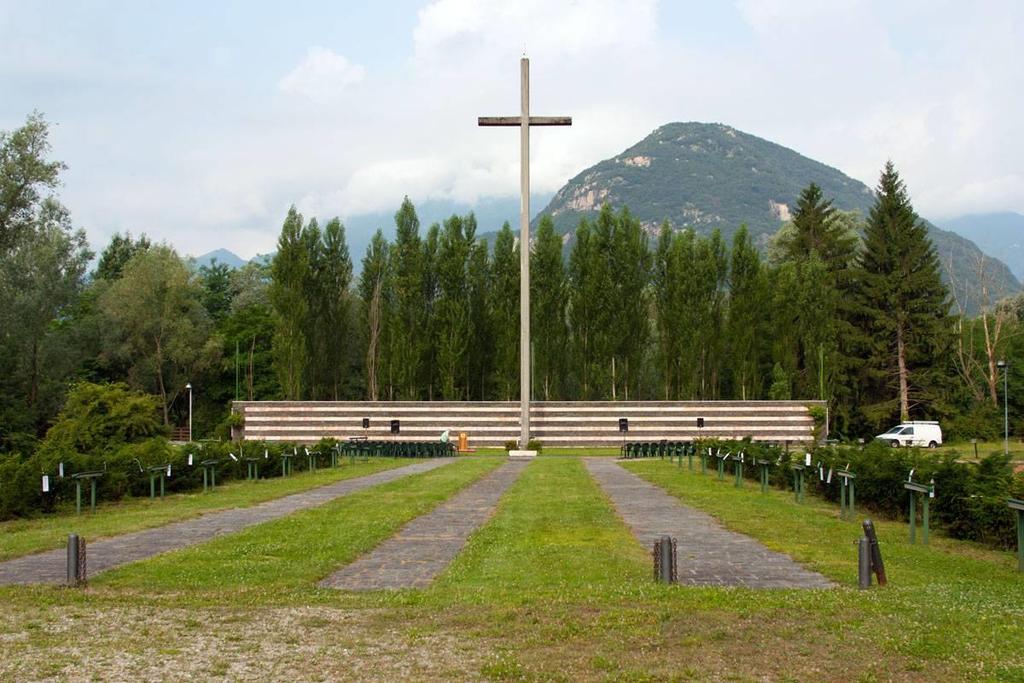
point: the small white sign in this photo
(190, 460)
(168, 471)
(829, 479)
(807, 460)
(266, 454)
(233, 457)
(60, 470)
(46, 483)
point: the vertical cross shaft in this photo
(524, 121)
(524, 253)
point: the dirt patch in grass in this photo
(259, 644)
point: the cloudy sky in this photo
(200, 122)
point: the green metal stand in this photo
(927, 492)
(252, 469)
(286, 464)
(1018, 506)
(764, 465)
(846, 494)
(209, 473)
(738, 470)
(311, 457)
(92, 477)
(798, 482)
(155, 472)
(721, 467)
(704, 462)
(689, 456)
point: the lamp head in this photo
(189, 386)
(1001, 364)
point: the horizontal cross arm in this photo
(517, 120)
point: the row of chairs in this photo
(656, 449)
(397, 449)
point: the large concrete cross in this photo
(524, 121)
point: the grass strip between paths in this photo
(25, 536)
(296, 551)
(952, 602)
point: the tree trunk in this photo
(901, 366)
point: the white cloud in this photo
(322, 76)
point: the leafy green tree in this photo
(290, 274)
(407, 319)
(116, 254)
(585, 292)
(334, 277)
(158, 326)
(25, 174)
(376, 297)
(504, 307)
(904, 304)
(431, 295)
(628, 319)
(452, 317)
(480, 362)
(547, 312)
(747, 324)
(41, 278)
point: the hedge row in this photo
(125, 470)
(970, 497)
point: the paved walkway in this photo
(51, 566)
(708, 554)
(424, 547)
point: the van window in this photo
(908, 431)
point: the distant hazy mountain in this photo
(221, 256)
(995, 233)
(703, 176)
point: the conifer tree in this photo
(334, 279)
(904, 304)
(480, 361)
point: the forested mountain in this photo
(995, 233)
(704, 176)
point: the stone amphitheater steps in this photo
(493, 423)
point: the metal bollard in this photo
(76, 560)
(665, 570)
(864, 563)
(877, 566)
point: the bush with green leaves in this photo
(970, 498)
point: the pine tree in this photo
(904, 304)
(547, 312)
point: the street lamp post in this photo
(1006, 412)
(189, 387)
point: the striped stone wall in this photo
(568, 423)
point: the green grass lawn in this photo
(24, 536)
(554, 587)
(966, 449)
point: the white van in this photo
(913, 434)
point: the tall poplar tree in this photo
(408, 320)
(585, 294)
(547, 312)
(746, 320)
(904, 304)
(290, 275)
(376, 298)
(334, 279)
(503, 303)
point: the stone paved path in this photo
(424, 547)
(51, 566)
(708, 554)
